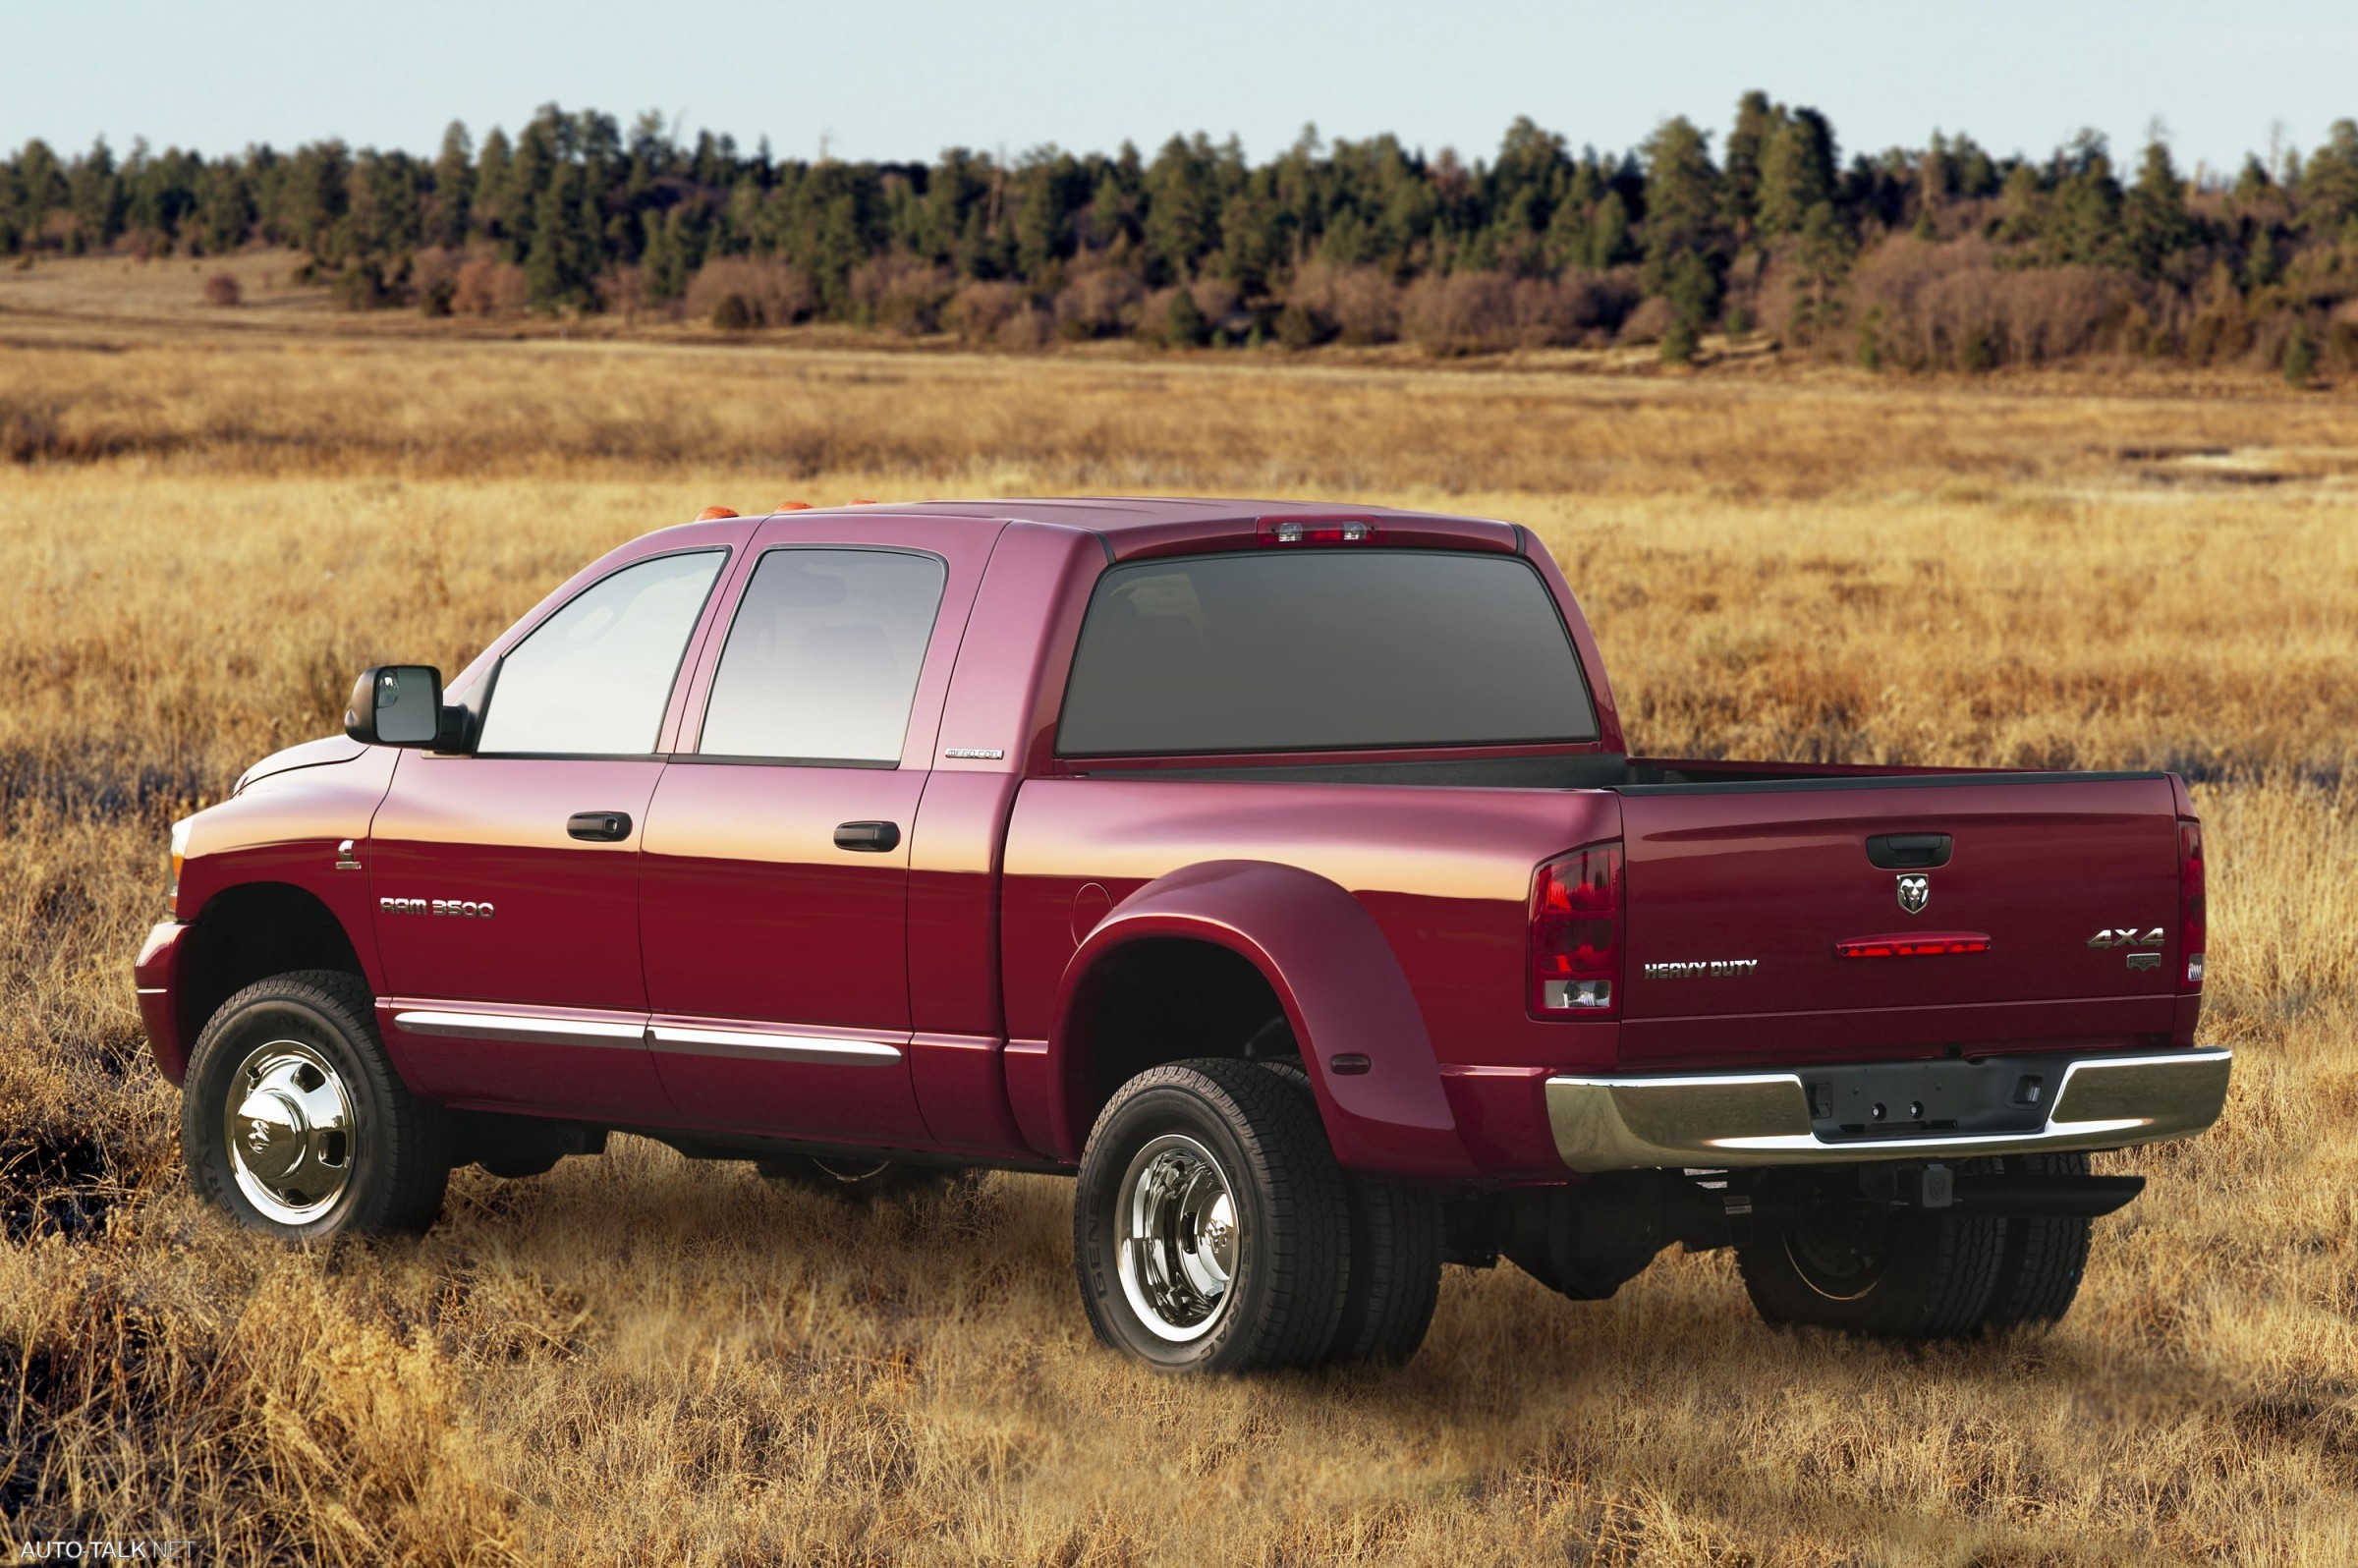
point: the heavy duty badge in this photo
(1915, 891)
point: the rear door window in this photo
(1322, 650)
(824, 657)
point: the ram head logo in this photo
(1915, 891)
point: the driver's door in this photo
(507, 882)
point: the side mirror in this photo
(396, 704)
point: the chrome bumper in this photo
(1719, 1120)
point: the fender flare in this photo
(1342, 990)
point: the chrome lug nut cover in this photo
(289, 1128)
(1180, 1237)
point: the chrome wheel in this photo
(1179, 1237)
(290, 1133)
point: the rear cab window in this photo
(1322, 651)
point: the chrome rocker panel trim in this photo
(1710, 1121)
(678, 1039)
(759, 1045)
(520, 1027)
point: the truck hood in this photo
(311, 753)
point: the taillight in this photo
(2193, 915)
(1318, 530)
(1576, 933)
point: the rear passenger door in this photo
(775, 880)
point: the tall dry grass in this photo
(639, 1359)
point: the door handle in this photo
(598, 827)
(873, 837)
(1908, 852)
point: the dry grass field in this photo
(204, 532)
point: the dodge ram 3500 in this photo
(1279, 870)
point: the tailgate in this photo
(1742, 897)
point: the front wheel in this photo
(1210, 1229)
(293, 1120)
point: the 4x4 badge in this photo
(1915, 891)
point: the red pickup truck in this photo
(1278, 869)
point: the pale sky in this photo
(907, 80)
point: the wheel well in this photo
(1165, 1000)
(251, 932)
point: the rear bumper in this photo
(154, 972)
(1722, 1120)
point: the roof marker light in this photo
(712, 514)
(794, 506)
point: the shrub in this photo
(978, 311)
(2300, 356)
(1297, 328)
(1953, 307)
(900, 293)
(362, 287)
(768, 293)
(484, 287)
(1183, 324)
(1358, 304)
(1463, 312)
(222, 289)
(1648, 322)
(1577, 307)
(1025, 327)
(1100, 303)
(435, 275)
(1221, 306)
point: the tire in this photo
(1211, 1231)
(334, 1139)
(2042, 1260)
(1395, 1270)
(1396, 1259)
(1903, 1275)
(860, 1180)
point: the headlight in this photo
(180, 853)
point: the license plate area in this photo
(1866, 1102)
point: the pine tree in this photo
(1757, 121)
(1797, 172)
(1682, 201)
(1184, 326)
(1693, 293)
(2155, 223)
(1821, 263)
(494, 203)
(2329, 185)
(563, 260)
(454, 187)
(1609, 241)
(2300, 356)
(1180, 211)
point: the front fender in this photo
(1342, 990)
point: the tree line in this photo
(1945, 256)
